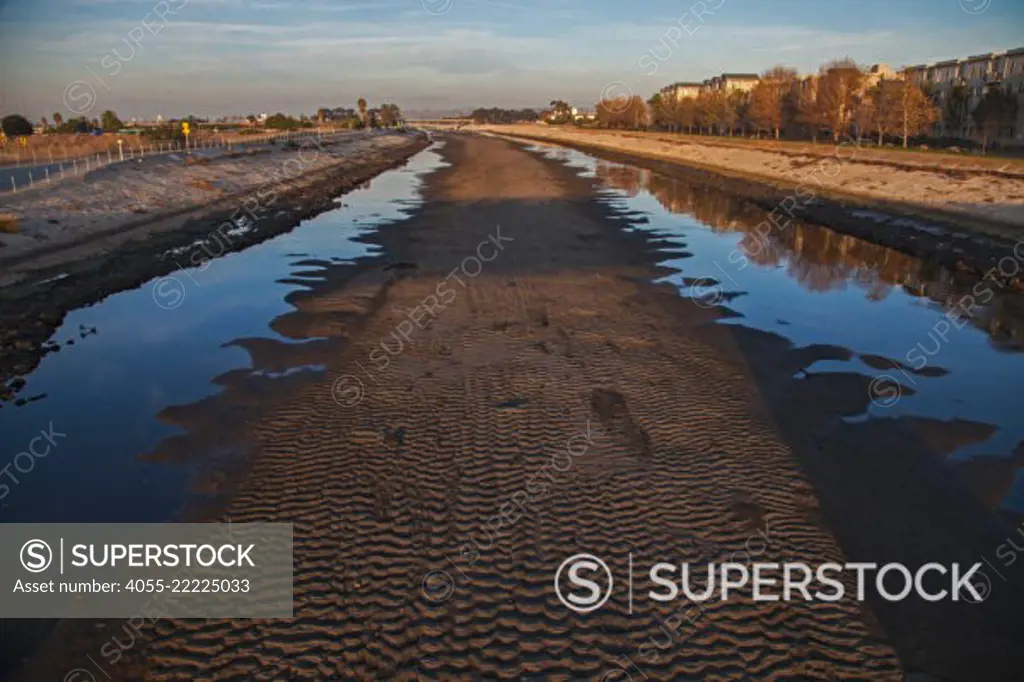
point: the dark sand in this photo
(703, 444)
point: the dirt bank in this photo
(521, 392)
(82, 215)
(983, 199)
(52, 283)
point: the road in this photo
(516, 390)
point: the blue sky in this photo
(172, 57)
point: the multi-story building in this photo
(680, 91)
(976, 75)
(727, 82)
(878, 72)
(743, 82)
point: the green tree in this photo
(361, 105)
(390, 115)
(663, 111)
(561, 112)
(281, 121)
(956, 113)
(995, 114)
(16, 125)
(110, 122)
(57, 119)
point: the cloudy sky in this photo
(213, 57)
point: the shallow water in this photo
(815, 286)
(161, 345)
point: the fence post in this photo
(14, 185)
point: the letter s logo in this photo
(594, 597)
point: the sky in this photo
(225, 57)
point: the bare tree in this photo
(663, 111)
(806, 110)
(767, 99)
(839, 87)
(623, 112)
(916, 110)
(886, 101)
(686, 113)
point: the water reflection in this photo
(118, 392)
(812, 286)
(821, 259)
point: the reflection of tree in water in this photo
(823, 260)
(628, 179)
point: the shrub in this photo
(16, 125)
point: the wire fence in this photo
(43, 166)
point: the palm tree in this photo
(361, 103)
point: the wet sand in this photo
(702, 444)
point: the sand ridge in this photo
(561, 402)
(549, 338)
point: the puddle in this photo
(139, 352)
(815, 286)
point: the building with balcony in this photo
(975, 75)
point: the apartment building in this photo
(877, 73)
(727, 82)
(731, 82)
(977, 73)
(680, 91)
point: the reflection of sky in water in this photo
(106, 390)
(982, 385)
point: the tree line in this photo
(498, 115)
(839, 100)
(386, 115)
